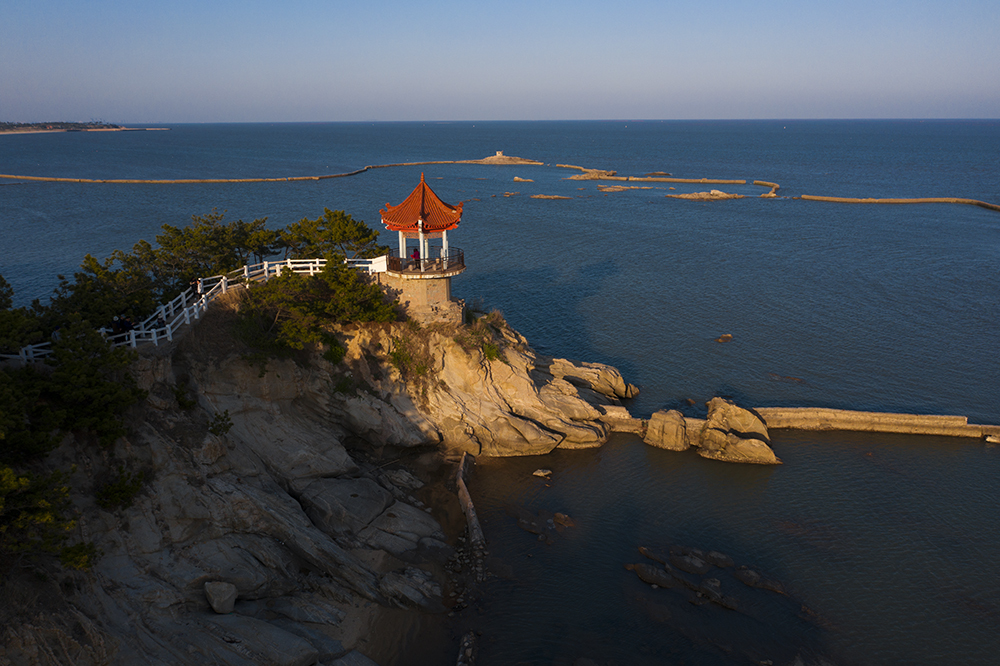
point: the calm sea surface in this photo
(889, 542)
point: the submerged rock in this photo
(654, 575)
(752, 578)
(691, 564)
(718, 559)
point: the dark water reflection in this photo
(883, 544)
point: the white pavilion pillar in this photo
(402, 250)
(444, 249)
(422, 243)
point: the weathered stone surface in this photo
(519, 403)
(400, 528)
(726, 416)
(337, 506)
(255, 565)
(604, 379)
(413, 587)
(667, 430)
(221, 596)
(262, 642)
(301, 607)
(327, 647)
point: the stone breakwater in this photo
(931, 200)
(735, 434)
(586, 173)
(498, 159)
(816, 418)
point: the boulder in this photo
(604, 379)
(221, 596)
(667, 430)
(734, 434)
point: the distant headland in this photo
(97, 126)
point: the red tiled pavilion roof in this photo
(422, 204)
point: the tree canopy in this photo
(87, 388)
(333, 235)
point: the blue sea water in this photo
(856, 306)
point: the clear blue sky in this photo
(139, 61)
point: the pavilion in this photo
(422, 277)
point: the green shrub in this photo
(184, 401)
(491, 351)
(34, 512)
(292, 310)
(400, 355)
(344, 385)
(78, 556)
(120, 492)
(221, 424)
(336, 351)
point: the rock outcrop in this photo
(667, 430)
(259, 542)
(734, 434)
(729, 433)
(485, 391)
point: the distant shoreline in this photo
(49, 128)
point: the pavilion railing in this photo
(192, 303)
(440, 261)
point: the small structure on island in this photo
(420, 274)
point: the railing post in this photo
(155, 342)
(131, 335)
(187, 316)
(265, 271)
(225, 283)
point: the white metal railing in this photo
(192, 303)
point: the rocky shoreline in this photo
(322, 521)
(330, 517)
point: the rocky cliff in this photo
(287, 503)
